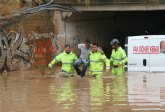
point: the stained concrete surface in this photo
(29, 91)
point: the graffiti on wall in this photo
(36, 50)
(13, 50)
(44, 48)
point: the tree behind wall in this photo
(9, 6)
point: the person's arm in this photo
(100, 50)
(75, 58)
(78, 50)
(55, 60)
(124, 58)
(111, 58)
(106, 61)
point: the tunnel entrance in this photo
(101, 26)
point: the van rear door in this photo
(138, 56)
(157, 53)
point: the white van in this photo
(146, 53)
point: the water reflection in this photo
(136, 92)
(96, 92)
(11, 93)
(63, 93)
(119, 91)
(145, 92)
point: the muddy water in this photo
(28, 91)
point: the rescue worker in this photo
(84, 55)
(67, 58)
(118, 58)
(97, 60)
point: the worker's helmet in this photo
(115, 42)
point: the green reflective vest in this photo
(67, 61)
(118, 58)
(97, 61)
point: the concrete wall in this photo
(47, 40)
(39, 23)
(96, 30)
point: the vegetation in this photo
(9, 6)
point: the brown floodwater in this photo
(29, 91)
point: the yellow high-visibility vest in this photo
(67, 61)
(97, 61)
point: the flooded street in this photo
(28, 91)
